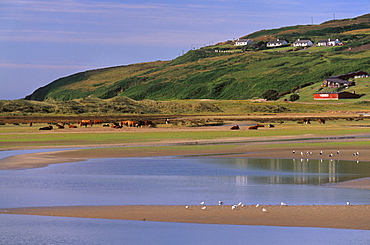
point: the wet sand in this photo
(325, 216)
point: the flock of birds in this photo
(235, 206)
(240, 204)
(322, 153)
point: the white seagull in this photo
(283, 204)
(204, 207)
(186, 206)
(257, 205)
(264, 210)
(219, 203)
(202, 203)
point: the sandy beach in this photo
(326, 216)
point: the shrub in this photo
(294, 97)
(270, 94)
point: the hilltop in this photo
(225, 71)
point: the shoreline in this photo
(323, 216)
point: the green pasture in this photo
(12, 136)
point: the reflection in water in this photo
(300, 171)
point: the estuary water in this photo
(176, 181)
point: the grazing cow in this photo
(71, 126)
(320, 120)
(260, 125)
(31, 124)
(236, 127)
(98, 122)
(46, 128)
(271, 125)
(60, 126)
(148, 123)
(85, 123)
(129, 123)
(253, 127)
(306, 121)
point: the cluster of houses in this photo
(340, 81)
(298, 43)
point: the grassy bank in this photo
(24, 136)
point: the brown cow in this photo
(236, 127)
(71, 126)
(253, 127)
(320, 120)
(306, 121)
(98, 122)
(131, 123)
(85, 123)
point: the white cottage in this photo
(243, 42)
(329, 42)
(276, 43)
(302, 43)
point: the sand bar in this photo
(325, 216)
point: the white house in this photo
(302, 43)
(329, 42)
(243, 42)
(276, 43)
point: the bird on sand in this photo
(264, 210)
(219, 203)
(283, 204)
(348, 203)
(186, 206)
(257, 205)
(204, 207)
(202, 203)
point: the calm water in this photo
(169, 181)
(21, 229)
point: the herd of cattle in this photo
(148, 123)
(85, 123)
(303, 121)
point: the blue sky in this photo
(42, 40)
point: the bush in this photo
(270, 94)
(294, 97)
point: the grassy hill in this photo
(236, 73)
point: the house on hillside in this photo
(277, 43)
(342, 80)
(243, 42)
(329, 42)
(335, 95)
(302, 43)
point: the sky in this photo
(43, 40)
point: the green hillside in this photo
(227, 72)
